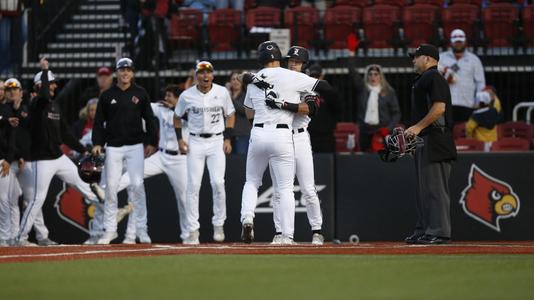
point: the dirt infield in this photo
(72, 252)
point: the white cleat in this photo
(24, 243)
(144, 238)
(192, 239)
(46, 242)
(285, 240)
(98, 191)
(128, 240)
(92, 240)
(4, 243)
(277, 239)
(107, 238)
(317, 239)
(218, 234)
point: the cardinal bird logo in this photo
(488, 199)
(74, 209)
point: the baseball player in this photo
(211, 118)
(297, 59)
(119, 125)
(7, 142)
(271, 101)
(48, 130)
(21, 167)
(168, 160)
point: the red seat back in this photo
(185, 25)
(399, 3)
(474, 2)
(468, 145)
(462, 16)
(339, 23)
(223, 29)
(341, 133)
(263, 17)
(301, 21)
(358, 3)
(510, 144)
(515, 130)
(528, 23)
(378, 23)
(419, 23)
(438, 3)
(498, 21)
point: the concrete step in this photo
(61, 47)
(91, 36)
(73, 65)
(96, 17)
(55, 56)
(91, 26)
(100, 7)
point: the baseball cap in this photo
(457, 35)
(103, 71)
(483, 97)
(12, 83)
(37, 77)
(204, 65)
(426, 49)
(124, 62)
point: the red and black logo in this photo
(488, 199)
(73, 208)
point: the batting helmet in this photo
(398, 145)
(300, 53)
(90, 168)
(268, 51)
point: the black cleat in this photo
(433, 240)
(413, 239)
(247, 233)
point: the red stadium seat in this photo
(528, 23)
(438, 3)
(341, 133)
(420, 23)
(468, 145)
(379, 25)
(474, 2)
(510, 144)
(339, 22)
(462, 16)
(185, 28)
(263, 17)
(399, 3)
(224, 29)
(358, 3)
(516, 130)
(499, 19)
(459, 131)
(301, 21)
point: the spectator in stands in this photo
(482, 125)
(242, 126)
(153, 32)
(205, 6)
(376, 104)
(104, 80)
(235, 4)
(322, 125)
(465, 74)
(84, 127)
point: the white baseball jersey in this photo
(167, 134)
(287, 85)
(205, 112)
(302, 121)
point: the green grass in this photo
(273, 277)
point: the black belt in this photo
(170, 152)
(277, 125)
(300, 130)
(205, 135)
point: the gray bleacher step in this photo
(91, 26)
(73, 64)
(100, 7)
(77, 56)
(91, 36)
(96, 17)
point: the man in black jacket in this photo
(48, 130)
(119, 126)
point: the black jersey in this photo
(7, 140)
(119, 118)
(48, 129)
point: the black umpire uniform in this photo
(433, 160)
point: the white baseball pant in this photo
(42, 173)
(306, 179)
(274, 146)
(132, 156)
(9, 196)
(24, 184)
(175, 167)
(202, 150)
